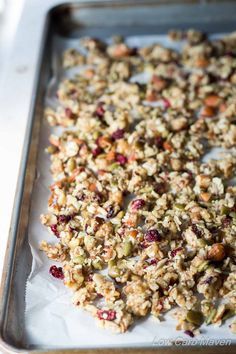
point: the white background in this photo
(10, 130)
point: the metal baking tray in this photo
(99, 19)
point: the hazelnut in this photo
(201, 62)
(207, 112)
(212, 101)
(216, 252)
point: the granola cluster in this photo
(143, 224)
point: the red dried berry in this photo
(152, 261)
(97, 151)
(56, 272)
(174, 252)
(189, 333)
(144, 245)
(100, 110)
(138, 204)
(54, 230)
(108, 315)
(158, 141)
(121, 159)
(68, 113)
(118, 134)
(166, 103)
(64, 218)
(153, 236)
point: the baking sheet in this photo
(51, 320)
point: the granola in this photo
(143, 223)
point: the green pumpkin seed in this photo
(211, 316)
(127, 248)
(194, 317)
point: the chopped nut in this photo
(216, 252)
(212, 101)
(179, 124)
(205, 196)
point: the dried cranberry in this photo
(166, 103)
(226, 221)
(63, 218)
(108, 315)
(110, 211)
(175, 251)
(56, 272)
(68, 113)
(158, 141)
(143, 245)
(98, 197)
(54, 230)
(118, 134)
(100, 110)
(189, 333)
(138, 204)
(196, 230)
(97, 151)
(152, 236)
(121, 159)
(90, 277)
(152, 261)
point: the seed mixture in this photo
(143, 224)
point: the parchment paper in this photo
(51, 320)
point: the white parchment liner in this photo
(51, 320)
